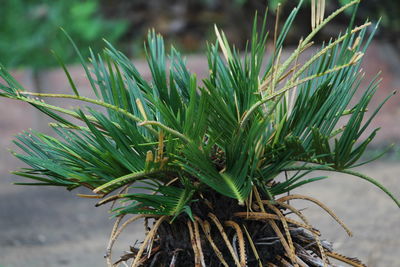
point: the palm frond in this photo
(249, 121)
(165, 200)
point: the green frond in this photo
(250, 120)
(168, 200)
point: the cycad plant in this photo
(200, 161)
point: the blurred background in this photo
(30, 29)
(51, 227)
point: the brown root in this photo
(253, 247)
(225, 237)
(289, 247)
(194, 245)
(267, 216)
(351, 261)
(198, 242)
(322, 205)
(242, 247)
(149, 236)
(206, 229)
(272, 239)
(111, 241)
(301, 216)
(115, 233)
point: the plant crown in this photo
(174, 138)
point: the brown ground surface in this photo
(42, 227)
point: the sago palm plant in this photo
(200, 161)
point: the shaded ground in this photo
(42, 227)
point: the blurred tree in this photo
(189, 22)
(30, 29)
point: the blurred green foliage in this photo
(30, 29)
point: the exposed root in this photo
(301, 216)
(283, 262)
(319, 203)
(198, 243)
(194, 245)
(301, 262)
(268, 216)
(306, 256)
(290, 249)
(283, 241)
(206, 229)
(225, 237)
(111, 241)
(115, 233)
(272, 240)
(149, 236)
(287, 245)
(352, 261)
(253, 247)
(242, 251)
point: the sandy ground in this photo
(46, 227)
